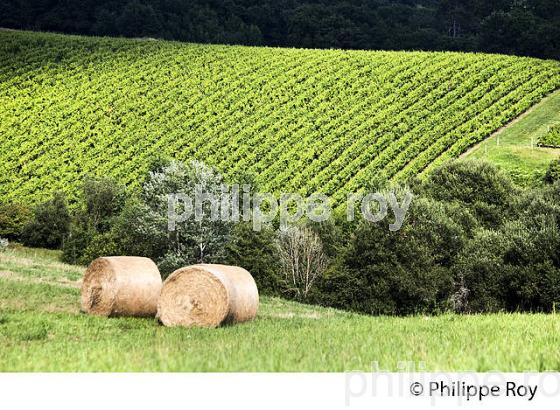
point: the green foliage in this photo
(143, 226)
(517, 266)
(100, 244)
(334, 233)
(255, 251)
(13, 218)
(107, 224)
(102, 199)
(478, 185)
(50, 224)
(298, 120)
(472, 242)
(77, 241)
(41, 329)
(527, 27)
(100, 202)
(139, 231)
(401, 272)
(553, 172)
(512, 269)
(551, 138)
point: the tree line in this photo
(521, 27)
(472, 241)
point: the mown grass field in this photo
(295, 120)
(41, 329)
(514, 148)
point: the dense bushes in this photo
(100, 203)
(517, 266)
(255, 251)
(471, 242)
(476, 186)
(406, 271)
(553, 172)
(50, 224)
(189, 241)
(511, 269)
(106, 223)
(13, 218)
(551, 138)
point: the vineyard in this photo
(296, 120)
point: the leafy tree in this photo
(50, 224)
(480, 186)
(190, 241)
(402, 272)
(256, 252)
(101, 201)
(13, 218)
(517, 266)
(508, 270)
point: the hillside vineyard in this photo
(296, 120)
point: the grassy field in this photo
(514, 148)
(41, 329)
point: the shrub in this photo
(553, 172)
(171, 261)
(79, 237)
(101, 201)
(101, 244)
(140, 231)
(402, 272)
(516, 267)
(49, 226)
(551, 138)
(334, 233)
(481, 187)
(256, 252)
(13, 218)
(480, 273)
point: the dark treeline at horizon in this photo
(520, 27)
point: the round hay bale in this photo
(208, 296)
(121, 286)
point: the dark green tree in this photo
(50, 224)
